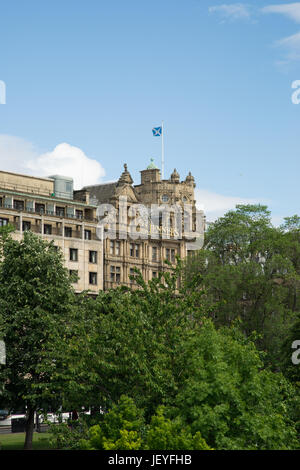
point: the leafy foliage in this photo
(119, 428)
(228, 396)
(64, 436)
(199, 350)
(217, 383)
(37, 308)
(166, 434)
(136, 340)
(122, 428)
(250, 272)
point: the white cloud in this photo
(20, 156)
(292, 45)
(291, 10)
(234, 11)
(215, 205)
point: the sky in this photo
(86, 81)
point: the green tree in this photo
(250, 272)
(229, 397)
(135, 340)
(37, 308)
(166, 434)
(157, 344)
(120, 428)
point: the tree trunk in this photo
(38, 428)
(29, 429)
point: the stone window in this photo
(68, 232)
(3, 222)
(87, 235)
(60, 211)
(131, 249)
(115, 274)
(40, 208)
(93, 278)
(135, 250)
(170, 254)
(26, 225)
(47, 229)
(93, 257)
(73, 254)
(115, 248)
(18, 205)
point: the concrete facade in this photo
(30, 203)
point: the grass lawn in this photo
(15, 441)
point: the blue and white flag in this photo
(157, 131)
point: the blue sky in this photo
(87, 80)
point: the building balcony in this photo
(113, 284)
(80, 218)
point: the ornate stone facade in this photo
(51, 208)
(122, 254)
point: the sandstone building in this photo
(121, 256)
(51, 208)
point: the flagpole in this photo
(162, 150)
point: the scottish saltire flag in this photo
(156, 131)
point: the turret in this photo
(175, 178)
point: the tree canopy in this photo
(37, 310)
(197, 358)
